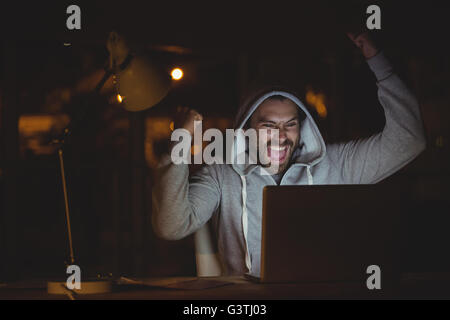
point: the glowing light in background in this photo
(177, 74)
(317, 100)
(119, 98)
(196, 149)
(34, 130)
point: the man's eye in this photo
(292, 124)
(268, 125)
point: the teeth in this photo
(278, 148)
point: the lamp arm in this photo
(75, 123)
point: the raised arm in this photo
(402, 139)
(182, 205)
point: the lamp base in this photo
(87, 287)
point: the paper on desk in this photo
(185, 283)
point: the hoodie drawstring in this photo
(310, 177)
(248, 263)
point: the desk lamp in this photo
(140, 85)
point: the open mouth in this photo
(277, 154)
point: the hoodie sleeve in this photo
(372, 159)
(182, 205)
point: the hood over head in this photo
(311, 148)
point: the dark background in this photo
(224, 48)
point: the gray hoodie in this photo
(231, 195)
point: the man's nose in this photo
(278, 134)
(282, 136)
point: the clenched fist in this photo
(185, 117)
(365, 43)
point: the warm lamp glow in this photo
(142, 83)
(317, 100)
(119, 98)
(177, 74)
(195, 149)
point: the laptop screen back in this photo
(329, 233)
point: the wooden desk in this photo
(427, 286)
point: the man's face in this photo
(282, 115)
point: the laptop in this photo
(330, 233)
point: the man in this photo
(231, 195)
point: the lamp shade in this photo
(141, 83)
